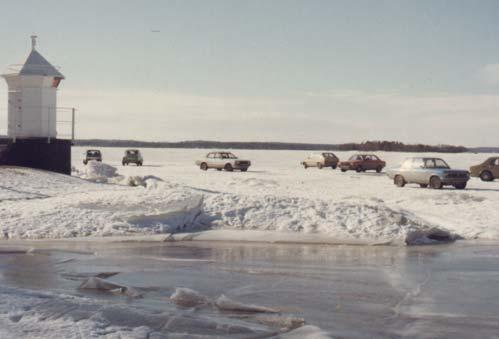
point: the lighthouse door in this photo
(15, 120)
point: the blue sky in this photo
(305, 71)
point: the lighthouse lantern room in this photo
(32, 117)
(32, 109)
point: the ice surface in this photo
(347, 291)
(28, 314)
(309, 332)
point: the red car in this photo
(362, 163)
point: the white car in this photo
(223, 160)
(320, 160)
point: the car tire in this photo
(85, 162)
(203, 166)
(305, 166)
(244, 169)
(486, 176)
(460, 186)
(423, 185)
(228, 168)
(319, 165)
(436, 183)
(379, 169)
(399, 181)
(219, 169)
(139, 163)
(343, 170)
(359, 169)
(123, 163)
(333, 167)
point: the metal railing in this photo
(67, 123)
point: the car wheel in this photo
(204, 166)
(219, 169)
(359, 169)
(399, 181)
(244, 169)
(333, 167)
(343, 170)
(379, 169)
(139, 164)
(460, 186)
(305, 166)
(85, 162)
(486, 176)
(319, 165)
(123, 163)
(436, 183)
(423, 185)
(228, 168)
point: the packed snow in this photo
(276, 200)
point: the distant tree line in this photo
(368, 146)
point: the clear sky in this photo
(302, 71)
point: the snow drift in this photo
(55, 206)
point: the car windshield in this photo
(355, 157)
(435, 163)
(328, 155)
(93, 153)
(132, 152)
(228, 156)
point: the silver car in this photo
(428, 171)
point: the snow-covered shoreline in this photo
(275, 202)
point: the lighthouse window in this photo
(56, 82)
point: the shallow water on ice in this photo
(346, 291)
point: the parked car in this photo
(362, 163)
(487, 170)
(320, 160)
(223, 160)
(92, 154)
(428, 171)
(132, 156)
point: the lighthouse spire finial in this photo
(33, 41)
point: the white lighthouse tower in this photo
(32, 117)
(32, 109)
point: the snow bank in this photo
(349, 218)
(97, 171)
(153, 206)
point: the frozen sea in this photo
(444, 291)
(276, 252)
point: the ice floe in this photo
(100, 284)
(187, 297)
(226, 304)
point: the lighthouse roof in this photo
(36, 64)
